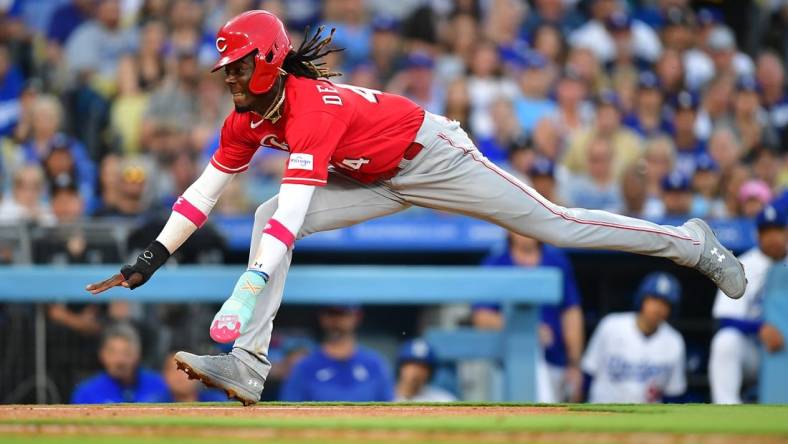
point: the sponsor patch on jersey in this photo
(300, 161)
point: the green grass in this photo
(680, 419)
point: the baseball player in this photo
(637, 357)
(356, 154)
(415, 366)
(734, 357)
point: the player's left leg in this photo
(451, 174)
(342, 202)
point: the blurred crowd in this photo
(650, 108)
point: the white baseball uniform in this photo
(630, 367)
(734, 356)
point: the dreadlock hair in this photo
(302, 61)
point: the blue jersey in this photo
(550, 315)
(319, 377)
(102, 389)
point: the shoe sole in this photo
(206, 379)
(708, 231)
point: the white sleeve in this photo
(677, 384)
(193, 207)
(293, 203)
(594, 354)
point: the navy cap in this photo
(619, 21)
(747, 84)
(384, 23)
(772, 216)
(419, 60)
(660, 285)
(542, 167)
(709, 16)
(675, 181)
(686, 100)
(417, 350)
(704, 162)
(648, 80)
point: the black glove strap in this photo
(151, 258)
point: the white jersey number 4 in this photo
(369, 94)
(354, 164)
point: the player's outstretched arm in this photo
(188, 214)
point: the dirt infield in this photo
(386, 424)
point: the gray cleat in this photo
(225, 372)
(718, 263)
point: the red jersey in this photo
(361, 131)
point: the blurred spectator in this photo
(548, 41)
(535, 78)
(341, 370)
(677, 195)
(26, 200)
(637, 357)
(417, 82)
(67, 204)
(573, 113)
(725, 149)
(771, 78)
(660, 157)
(595, 36)
(732, 182)
(706, 201)
(507, 132)
(561, 325)
(416, 364)
(633, 190)
(458, 102)
(626, 144)
(132, 198)
(750, 122)
(183, 389)
(542, 174)
(598, 187)
(688, 146)
(129, 106)
(59, 153)
(353, 30)
(716, 55)
(648, 118)
(670, 72)
(11, 85)
(386, 48)
(486, 84)
(94, 48)
(735, 348)
(678, 29)
(754, 195)
(67, 18)
(150, 57)
(716, 106)
(548, 141)
(122, 380)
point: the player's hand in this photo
(132, 276)
(772, 338)
(114, 281)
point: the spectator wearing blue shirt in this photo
(648, 119)
(123, 380)
(535, 77)
(688, 146)
(774, 96)
(561, 325)
(340, 370)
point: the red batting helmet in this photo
(252, 31)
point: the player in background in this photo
(637, 357)
(561, 334)
(357, 154)
(415, 367)
(340, 369)
(735, 351)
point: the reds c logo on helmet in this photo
(254, 31)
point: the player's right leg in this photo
(341, 203)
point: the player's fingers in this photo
(106, 284)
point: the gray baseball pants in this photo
(450, 174)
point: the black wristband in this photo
(148, 261)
